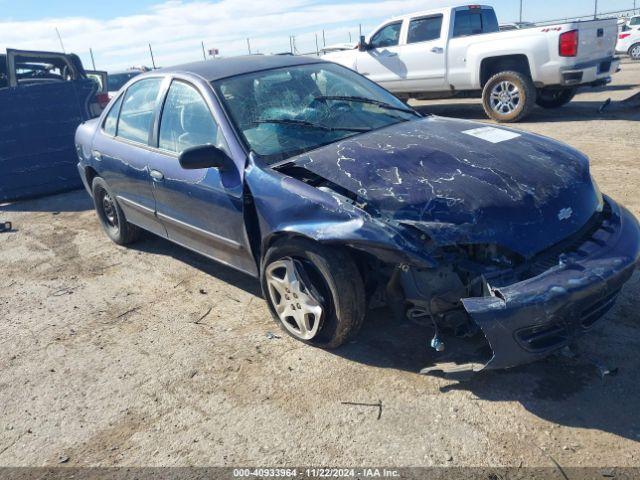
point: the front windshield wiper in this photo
(306, 124)
(379, 103)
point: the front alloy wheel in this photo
(314, 291)
(298, 309)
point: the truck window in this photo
(424, 29)
(474, 22)
(387, 36)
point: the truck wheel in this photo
(634, 51)
(555, 98)
(111, 215)
(508, 96)
(314, 292)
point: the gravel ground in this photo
(109, 357)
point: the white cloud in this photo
(176, 28)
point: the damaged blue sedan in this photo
(339, 198)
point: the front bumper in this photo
(530, 319)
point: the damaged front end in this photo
(525, 308)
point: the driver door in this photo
(381, 62)
(201, 209)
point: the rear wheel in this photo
(634, 51)
(111, 215)
(508, 96)
(555, 98)
(315, 293)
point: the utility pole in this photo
(317, 49)
(324, 43)
(153, 62)
(349, 37)
(60, 39)
(249, 46)
(521, 11)
(204, 55)
(595, 13)
(93, 62)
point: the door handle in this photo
(437, 50)
(156, 175)
(391, 54)
(96, 154)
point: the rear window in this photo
(475, 21)
(424, 29)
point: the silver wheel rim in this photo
(635, 52)
(298, 310)
(505, 97)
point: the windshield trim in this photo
(284, 157)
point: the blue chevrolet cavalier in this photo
(339, 198)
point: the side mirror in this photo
(363, 46)
(204, 156)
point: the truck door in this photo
(423, 56)
(381, 61)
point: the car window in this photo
(424, 29)
(187, 121)
(111, 120)
(634, 21)
(474, 22)
(137, 110)
(387, 36)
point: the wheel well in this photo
(492, 65)
(90, 173)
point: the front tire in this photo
(111, 215)
(508, 96)
(314, 292)
(555, 98)
(634, 51)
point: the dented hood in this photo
(465, 182)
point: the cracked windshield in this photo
(287, 111)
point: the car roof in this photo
(219, 68)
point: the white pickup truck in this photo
(455, 51)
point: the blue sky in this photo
(507, 9)
(119, 31)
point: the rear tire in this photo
(555, 98)
(314, 292)
(111, 215)
(634, 51)
(508, 96)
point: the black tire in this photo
(634, 51)
(555, 97)
(111, 215)
(331, 276)
(527, 96)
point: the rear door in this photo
(201, 209)
(121, 148)
(43, 98)
(423, 55)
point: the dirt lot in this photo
(107, 356)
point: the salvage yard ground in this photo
(152, 355)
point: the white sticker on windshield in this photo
(491, 134)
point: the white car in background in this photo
(629, 42)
